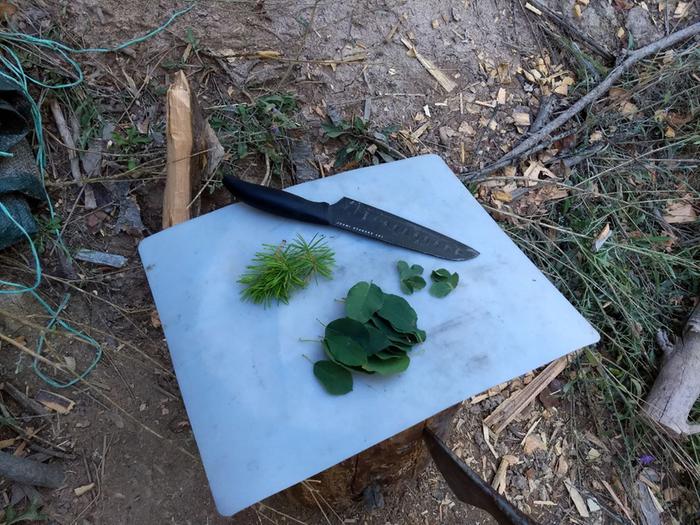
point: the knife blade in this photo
(469, 487)
(353, 216)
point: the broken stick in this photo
(446, 82)
(23, 400)
(511, 407)
(677, 386)
(30, 472)
(532, 142)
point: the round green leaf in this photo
(389, 366)
(440, 275)
(440, 289)
(406, 286)
(416, 269)
(389, 354)
(402, 266)
(349, 328)
(454, 280)
(377, 340)
(334, 378)
(363, 300)
(417, 282)
(398, 313)
(393, 335)
(346, 350)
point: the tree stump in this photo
(400, 457)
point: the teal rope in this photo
(14, 73)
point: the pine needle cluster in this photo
(277, 271)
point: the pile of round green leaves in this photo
(375, 337)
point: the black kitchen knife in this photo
(351, 215)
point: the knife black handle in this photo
(278, 202)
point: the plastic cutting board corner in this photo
(261, 420)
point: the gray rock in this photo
(641, 27)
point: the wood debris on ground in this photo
(55, 402)
(446, 82)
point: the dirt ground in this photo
(128, 431)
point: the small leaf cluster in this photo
(411, 281)
(443, 282)
(410, 276)
(374, 338)
(277, 271)
(363, 146)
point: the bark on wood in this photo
(677, 386)
(30, 472)
(530, 144)
(400, 457)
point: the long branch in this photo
(526, 145)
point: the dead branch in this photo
(30, 472)
(574, 31)
(26, 402)
(677, 386)
(547, 105)
(530, 143)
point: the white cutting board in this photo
(261, 419)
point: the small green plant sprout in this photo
(443, 282)
(410, 277)
(374, 338)
(364, 145)
(278, 270)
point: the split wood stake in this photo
(178, 187)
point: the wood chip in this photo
(577, 11)
(435, 23)
(562, 466)
(55, 402)
(466, 129)
(79, 491)
(680, 212)
(532, 443)
(603, 236)
(532, 8)
(592, 455)
(502, 196)
(682, 9)
(521, 119)
(577, 499)
(4, 443)
(417, 133)
(499, 480)
(446, 82)
(487, 439)
(629, 110)
(620, 33)
(501, 96)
